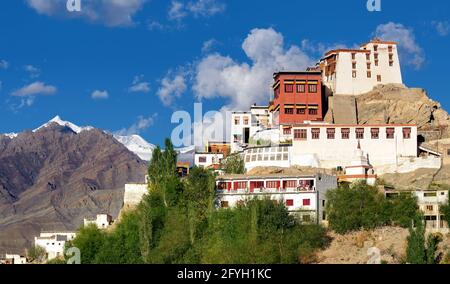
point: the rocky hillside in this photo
(52, 178)
(397, 104)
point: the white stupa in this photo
(359, 168)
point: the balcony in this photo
(263, 190)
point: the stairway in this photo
(344, 110)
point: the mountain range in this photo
(59, 173)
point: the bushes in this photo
(419, 253)
(234, 164)
(363, 207)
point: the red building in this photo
(297, 97)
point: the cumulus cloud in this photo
(4, 64)
(35, 89)
(108, 12)
(245, 83)
(139, 86)
(97, 95)
(442, 28)
(410, 51)
(199, 8)
(142, 124)
(173, 85)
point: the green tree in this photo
(233, 164)
(416, 251)
(89, 240)
(445, 211)
(37, 254)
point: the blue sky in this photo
(126, 65)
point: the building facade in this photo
(102, 221)
(333, 145)
(240, 130)
(54, 242)
(297, 98)
(304, 196)
(357, 71)
(207, 160)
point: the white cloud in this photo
(34, 89)
(139, 86)
(33, 71)
(410, 51)
(199, 8)
(108, 12)
(208, 45)
(4, 64)
(97, 94)
(442, 28)
(155, 25)
(173, 85)
(242, 83)
(142, 124)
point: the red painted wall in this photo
(295, 98)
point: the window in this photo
(379, 78)
(236, 120)
(391, 57)
(345, 133)
(376, 62)
(286, 131)
(289, 111)
(312, 88)
(289, 202)
(241, 185)
(367, 56)
(300, 134)
(375, 132)
(376, 56)
(429, 207)
(289, 88)
(301, 88)
(301, 110)
(273, 184)
(331, 133)
(312, 110)
(430, 194)
(354, 65)
(359, 133)
(390, 48)
(354, 74)
(306, 202)
(368, 66)
(245, 120)
(369, 74)
(375, 47)
(290, 184)
(224, 204)
(202, 159)
(353, 56)
(391, 63)
(407, 133)
(390, 133)
(315, 133)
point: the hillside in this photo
(53, 177)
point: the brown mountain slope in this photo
(52, 178)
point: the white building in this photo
(429, 202)
(240, 130)
(359, 169)
(303, 196)
(133, 194)
(15, 259)
(357, 71)
(54, 242)
(332, 145)
(206, 160)
(102, 221)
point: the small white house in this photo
(102, 221)
(15, 259)
(54, 242)
(206, 160)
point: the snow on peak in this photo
(57, 119)
(137, 145)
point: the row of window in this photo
(268, 150)
(267, 157)
(369, 75)
(312, 110)
(237, 120)
(301, 134)
(305, 202)
(300, 88)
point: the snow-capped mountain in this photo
(58, 120)
(137, 145)
(134, 143)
